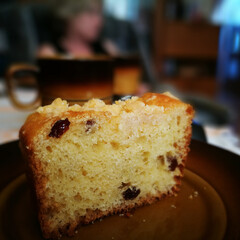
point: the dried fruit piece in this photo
(124, 184)
(89, 124)
(59, 128)
(131, 193)
(172, 163)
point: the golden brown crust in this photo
(36, 122)
(159, 100)
(166, 101)
(36, 180)
(163, 100)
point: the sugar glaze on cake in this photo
(91, 161)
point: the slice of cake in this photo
(91, 161)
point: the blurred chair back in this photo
(25, 27)
(188, 41)
(192, 42)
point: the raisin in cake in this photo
(90, 161)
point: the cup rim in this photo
(84, 100)
(62, 57)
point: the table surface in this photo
(11, 119)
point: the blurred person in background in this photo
(77, 27)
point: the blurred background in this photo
(188, 47)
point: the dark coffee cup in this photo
(74, 79)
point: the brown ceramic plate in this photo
(207, 206)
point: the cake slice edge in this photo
(35, 122)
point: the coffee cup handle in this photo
(11, 75)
